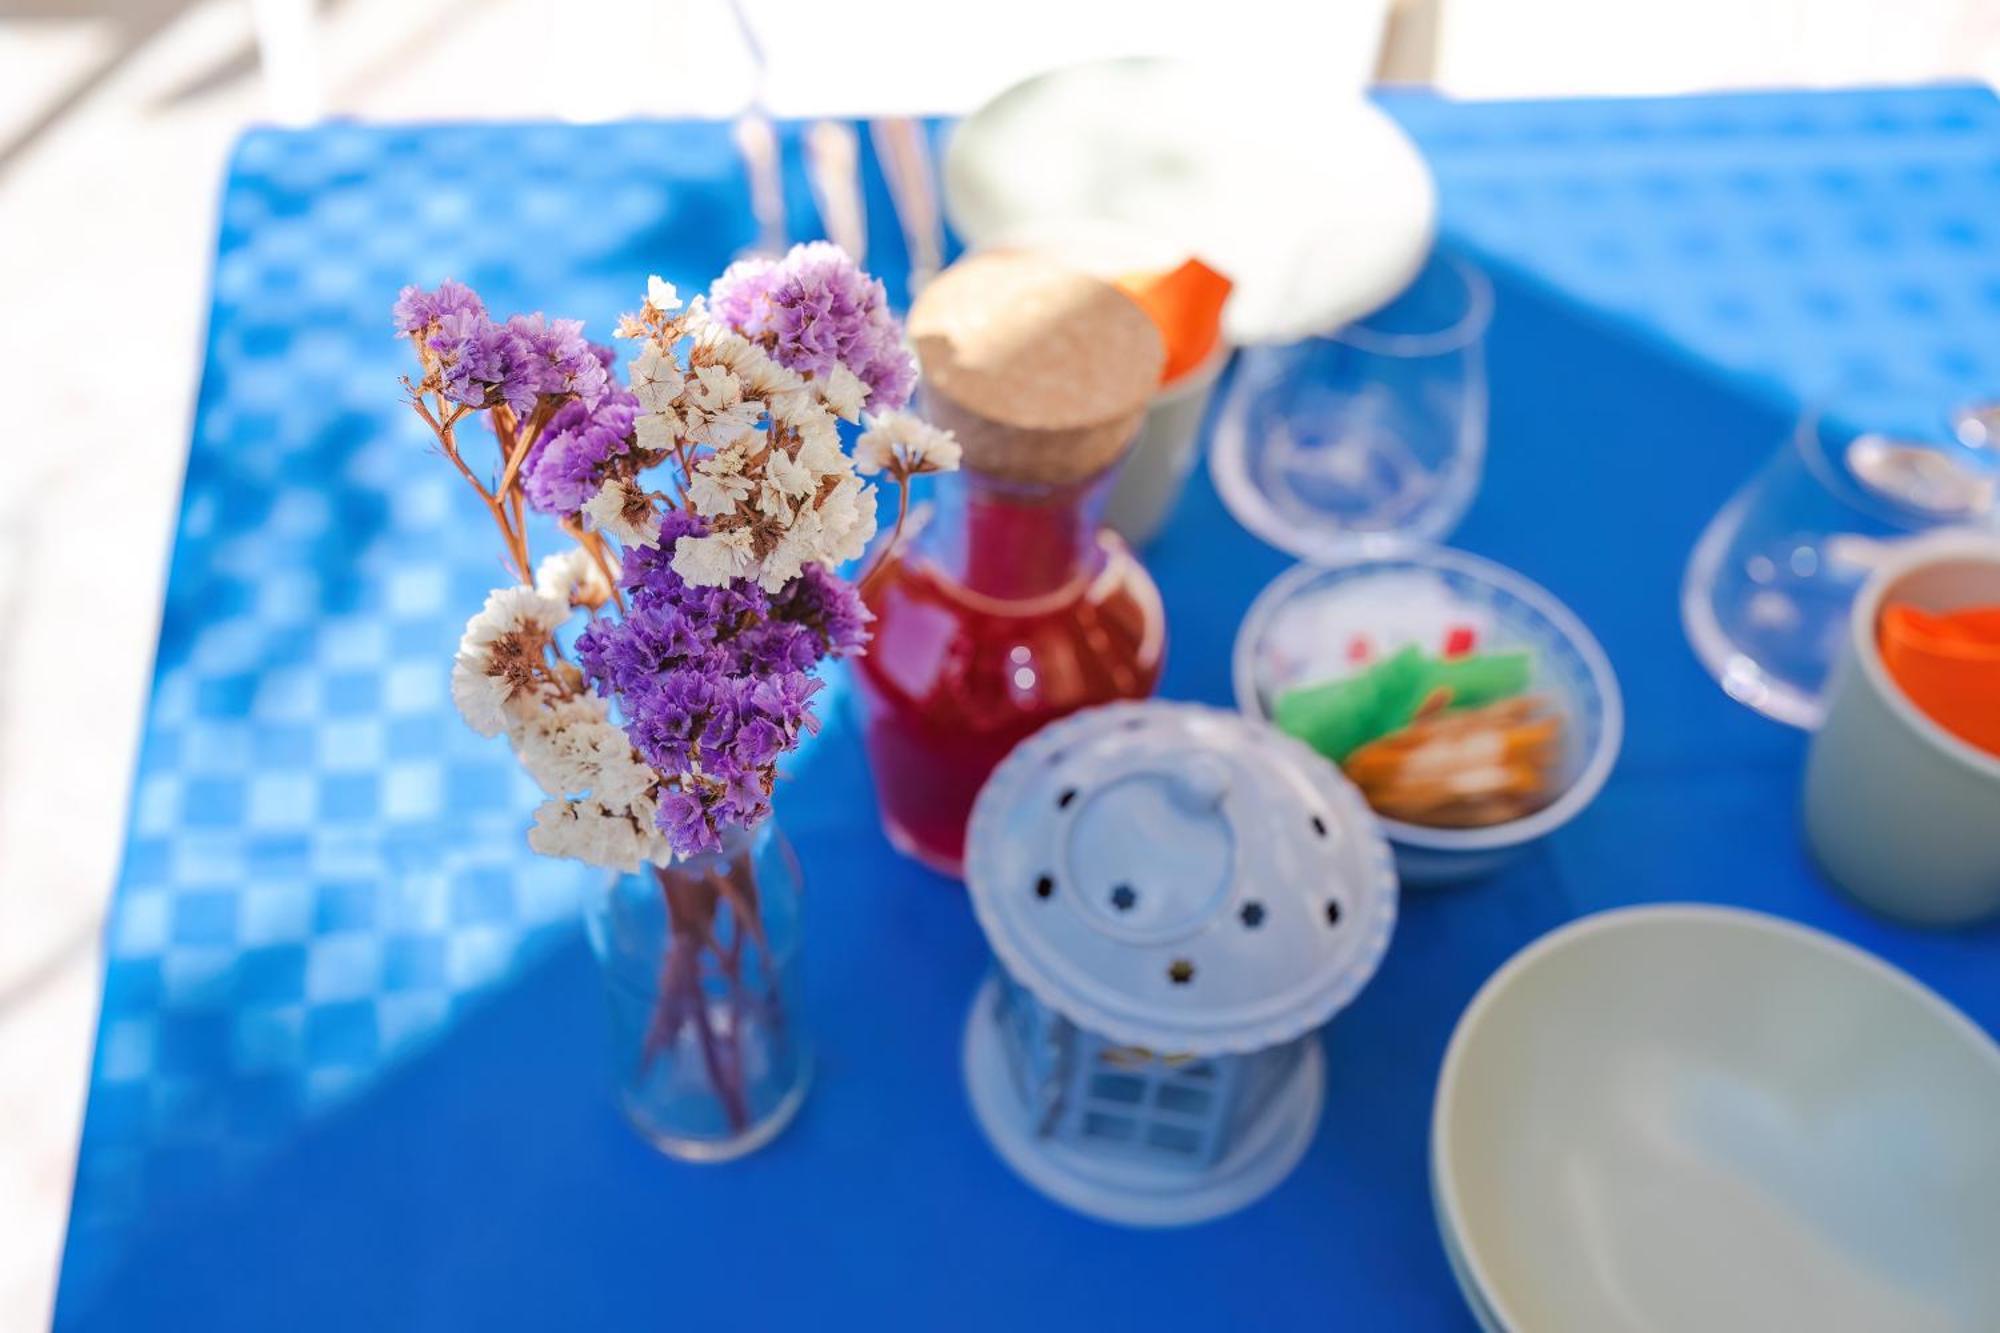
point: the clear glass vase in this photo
(710, 1053)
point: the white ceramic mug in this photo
(1156, 468)
(1901, 813)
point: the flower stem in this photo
(593, 545)
(691, 909)
(521, 436)
(882, 557)
(445, 430)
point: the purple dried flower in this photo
(556, 358)
(740, 297)
(577, 451)
(816, 309)
(744, 801)
(826, 604)
(716, 681)
(475, 360)
(482, 364)
(417, 309)
(758, 741)
(688, 824)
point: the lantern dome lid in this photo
(1180, 878)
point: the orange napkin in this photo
(1949, 665)
(1186, 305)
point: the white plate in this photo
(1318, 207)
(1693, 1118)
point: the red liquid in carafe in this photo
(954, 678)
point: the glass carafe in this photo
(1009, 609)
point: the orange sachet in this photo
(1948, 664)
(1186, 305)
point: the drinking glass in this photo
(1368, 437)
(1767, 590)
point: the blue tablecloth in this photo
(350, 1066)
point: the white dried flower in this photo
(843, 392)
(764, 379)
(657, 379)
(660, 294)
(714, 409)
(624, 779)
(502, 660)
(574, 577)
(590, 832)
(789, 477)
(715, 560)
(657, 432)
(481, 700)
(905, 445)
(799, 545)
(624, 510)
(511, 610)
(717, 485)
(774, 504)
(761, 377)
(570, 746)
(818, 434)
(846, 521)
(715, 343)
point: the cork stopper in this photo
(1043, 373)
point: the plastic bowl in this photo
(1409, 597)
(1683, 1117)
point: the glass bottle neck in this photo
(1014, 541)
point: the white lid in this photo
(1180, 878)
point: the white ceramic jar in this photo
(1901, 813)
(1156, 468)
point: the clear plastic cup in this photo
(1768, 587)
(1368, 437)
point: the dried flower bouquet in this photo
(707, 505)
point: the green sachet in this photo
(1338, 717)
(1478, 679)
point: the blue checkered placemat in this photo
(325, 871)
(1841, 247)
(323, 863)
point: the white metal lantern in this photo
(1177, 898)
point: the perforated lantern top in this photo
(1180, 878)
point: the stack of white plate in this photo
(1692, 1118)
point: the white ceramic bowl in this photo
(1421, 588)
(1678, 1117)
